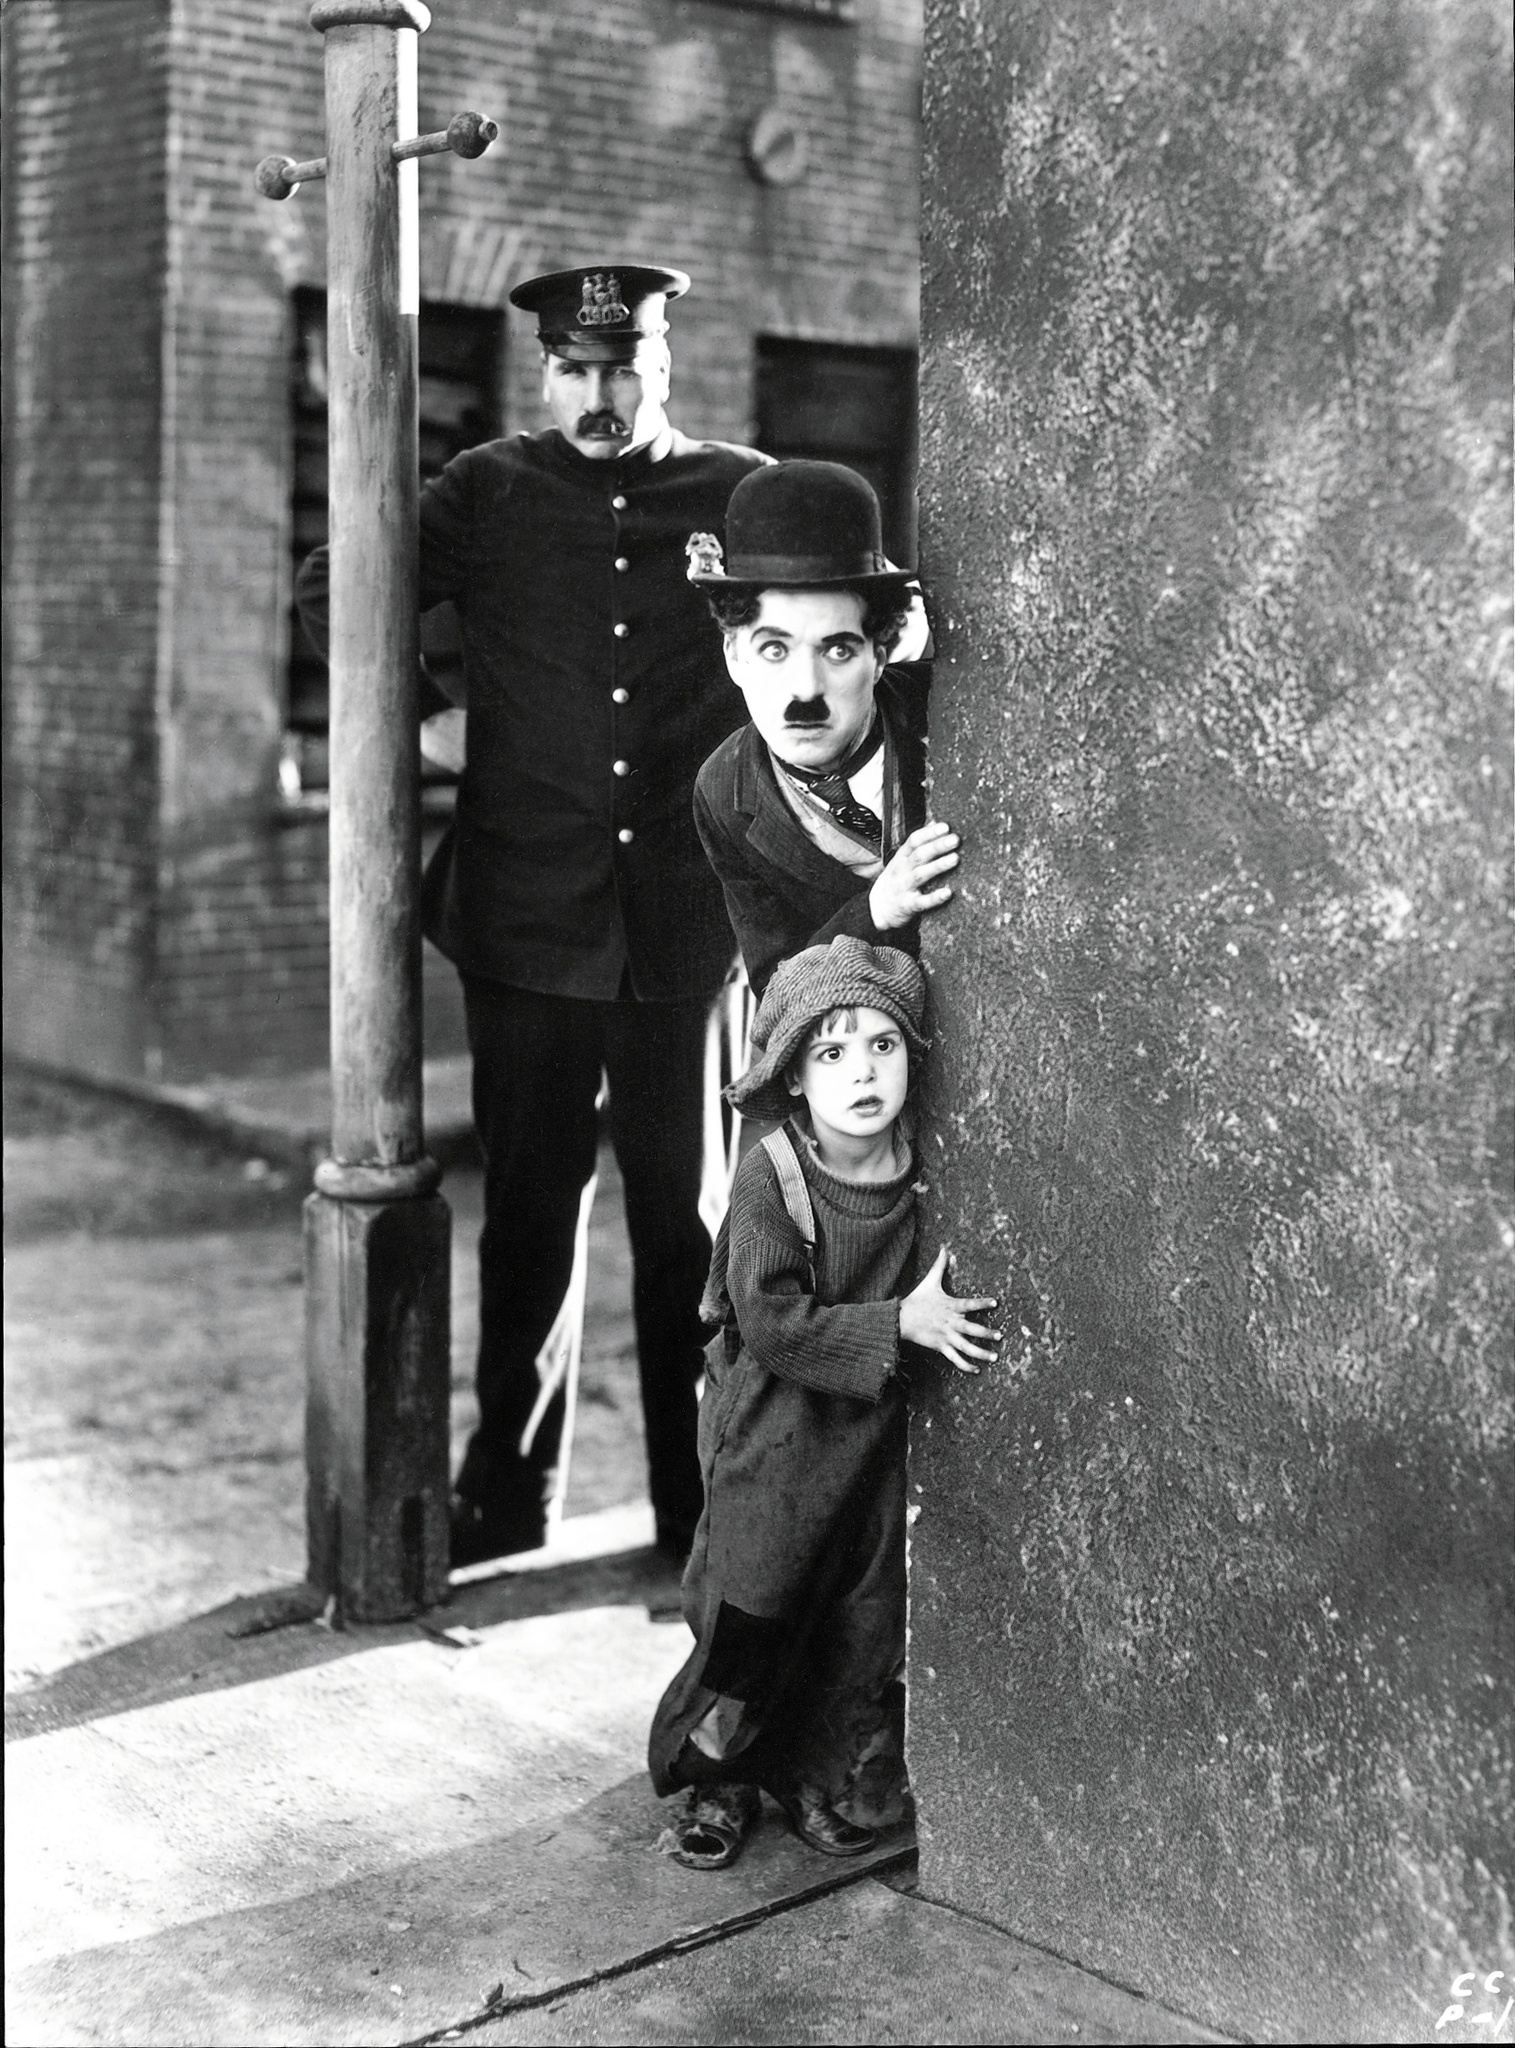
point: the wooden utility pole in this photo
(377, 1233)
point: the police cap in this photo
(600, 312)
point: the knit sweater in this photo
(843, 1335)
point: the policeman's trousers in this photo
(537, 1062)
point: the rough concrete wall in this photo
(85, 86)
(1210, 1653)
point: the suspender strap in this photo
(780, 1150)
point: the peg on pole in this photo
(377, 1234)
(465, 135)
(278, 176)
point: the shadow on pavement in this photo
(267, 1634)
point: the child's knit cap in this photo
(848, 974)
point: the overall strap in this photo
(780, 1150)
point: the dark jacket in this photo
(782, 892)
(573, 857)
(795, 1589)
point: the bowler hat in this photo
(849, 974)
(600, 312)
(797, 526)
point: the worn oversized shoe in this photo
(710, 1834)
(820, 1826)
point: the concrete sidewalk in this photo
(254, 1829)
(227, 1823)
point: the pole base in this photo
(378, 1377)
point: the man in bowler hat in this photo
(814, 814)
(571, 892)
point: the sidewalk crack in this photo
(501, 2007)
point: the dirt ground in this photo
(154, 1383)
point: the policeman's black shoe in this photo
(479, 1534)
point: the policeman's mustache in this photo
(601, 426)
(806, 711)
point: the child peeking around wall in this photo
(795, 1588)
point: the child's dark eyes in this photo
(883, 1045)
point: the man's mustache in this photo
(806, 711)
(601, 426)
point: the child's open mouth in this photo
(868, 1105)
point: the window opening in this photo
(838, 403)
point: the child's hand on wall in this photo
(904, 890)
(932, 1317)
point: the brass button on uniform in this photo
(619, 504)
(624, 835)
(622, 563)
(621, 629)
(620, 767)
(620, 696)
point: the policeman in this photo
(571, 891)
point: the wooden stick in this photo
(465, 135)
(278, 176)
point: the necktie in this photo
(830, 785)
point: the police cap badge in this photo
(600, 312)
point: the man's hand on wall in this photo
(908, 886)
(932, 1317)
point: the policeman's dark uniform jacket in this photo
(595, 690)
(571, 890)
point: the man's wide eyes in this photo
(837, 652)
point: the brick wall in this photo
(624, 123)
(85, 125)
(242, 946)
